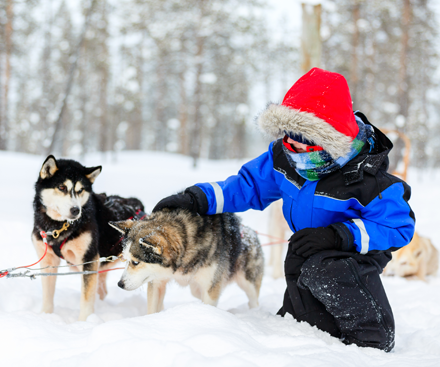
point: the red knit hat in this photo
(318, 107)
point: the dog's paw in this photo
(102, 292)
(47, 309)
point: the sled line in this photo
(27, 274)
(277, 241)
(7, 272)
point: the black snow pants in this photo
(341, 293)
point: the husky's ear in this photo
(156, 249)
(93, 172)
(122, 226)
(49, 167)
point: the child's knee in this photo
(319, 270)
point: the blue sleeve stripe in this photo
(365, 238)
(219, 198)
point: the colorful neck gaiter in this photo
(315, 165)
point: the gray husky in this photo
(205, 252)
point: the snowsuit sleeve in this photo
(386, 223)
(254, 187)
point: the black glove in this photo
(309, 241)
(192, 199)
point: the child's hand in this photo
(192, 199)
(309, 241)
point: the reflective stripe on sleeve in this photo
(219, 198)
(365, 238)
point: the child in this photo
(347, 213)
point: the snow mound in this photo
(187, 333)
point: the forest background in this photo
(188, 76)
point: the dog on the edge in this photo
(76, 220)
(205, 252)
(414, 261)
(278, 230)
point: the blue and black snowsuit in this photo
(338, 291)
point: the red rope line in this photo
(43, 236)
(274, 243)
(104, 271)
(277, 242)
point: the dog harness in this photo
(55, 234)
(57, 248)
(138, 215)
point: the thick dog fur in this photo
(415, 261)
(204, 252)
(64, 195)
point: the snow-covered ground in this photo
(187, 333)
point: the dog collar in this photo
(139, 215)
(56, 233)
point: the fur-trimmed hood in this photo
(318, 107)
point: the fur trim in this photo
(276, 119)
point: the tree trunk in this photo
(196, 141)
(142, 94)
(47, 76)
(311, 45)
(403, 74)
(403, 90)
(183, 114)
(103, 90)
(69, 83)
(7, 75)
(83, 98)
(183, 103)
(197, 122)
(354, 74)
(240, 139)
(138, 117)
(103, 124)
(160, 123)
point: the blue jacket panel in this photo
(254, 187)
(370, 213)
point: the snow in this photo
(187, 332)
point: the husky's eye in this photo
(80, 191)
(62, 188)
(134, 263)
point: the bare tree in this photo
(196, 131)
(70, 78)
(7, 52)
(354, 74)
(311, 37)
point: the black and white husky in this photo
(76, 220)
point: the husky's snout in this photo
(127, 286)
(74, 211)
